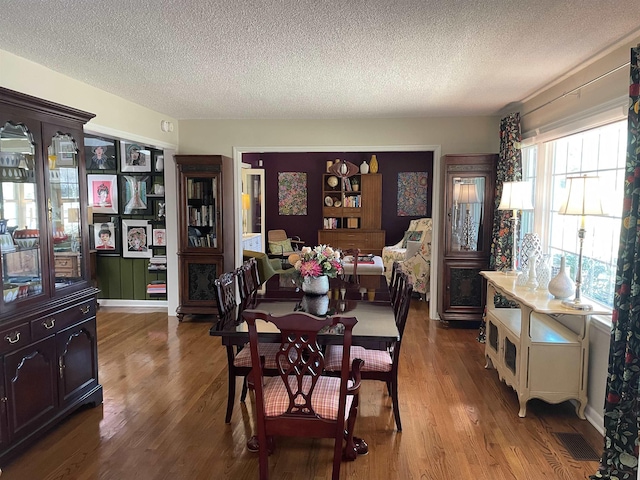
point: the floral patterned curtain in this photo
(509, 170)
(620, 456)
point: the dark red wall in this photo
(315, 163)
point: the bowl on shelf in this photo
(26, 242)
(10, 292)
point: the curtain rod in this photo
(572, 91)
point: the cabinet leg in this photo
(489, 363)
(523, 408)
(580, 407)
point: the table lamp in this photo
(468, 194)
(515, 196)
(583, 198)
(246, 204)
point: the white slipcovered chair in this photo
(414, 254)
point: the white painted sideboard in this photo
(540, 349)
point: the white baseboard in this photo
(110, 302)
(595, 418)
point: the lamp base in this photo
(576, 305)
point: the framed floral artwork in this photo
(292, 193)
(136, 238)
(103, 193)
(134, 158)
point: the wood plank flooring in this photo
(165, 389)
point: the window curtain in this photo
(620, 456)
(509, 169)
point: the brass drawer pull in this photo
(13, 337)
(49, 323)
(85, 309)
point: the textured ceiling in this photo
(315, 58)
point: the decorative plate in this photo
(332, 181)
(337, 203)
(328, 201)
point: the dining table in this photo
(281, 294)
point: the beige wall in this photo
(608, 89)
(114, 115)
(454, 134)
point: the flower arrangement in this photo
(318, 261)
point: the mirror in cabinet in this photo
(64, 209)
(20, 246)
(466, 214)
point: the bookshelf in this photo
(200, 246)
(352, 212)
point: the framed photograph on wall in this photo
(100, 153)
(135, 189)
(134, 158)
(159, 237)
(103, 193)
(136, 238)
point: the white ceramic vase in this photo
(561, 286)
(364, 167)
(315, 285)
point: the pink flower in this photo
(310, 268)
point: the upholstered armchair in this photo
(414, 253)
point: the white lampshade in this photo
(583, 197)
(516, 196)
(468, 193)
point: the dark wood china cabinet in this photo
(468, 182)
(48, 346)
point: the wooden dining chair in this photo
(239, 357)
(354, 253)
(380, 365)
(300, 401)
(248, 283)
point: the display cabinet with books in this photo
(200, 245)
(352, 212)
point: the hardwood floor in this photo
(165, 389)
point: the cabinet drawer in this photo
(66, 266)
(13, 338)
(48, 324)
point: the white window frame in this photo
(614, 111)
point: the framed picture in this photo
(103, 193)
(134, 158)
(112, 243)
(100, 153)
(104, 237)
(136, 238)
(134, 194)
(159, 237)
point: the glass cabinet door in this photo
(64, 210)
(203, 212)
(465, 214)
(20, 257)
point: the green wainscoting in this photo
(126, 278)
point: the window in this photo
(598, 152)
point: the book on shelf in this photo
(156, 287)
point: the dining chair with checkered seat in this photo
(301, 401)
(381, 365)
